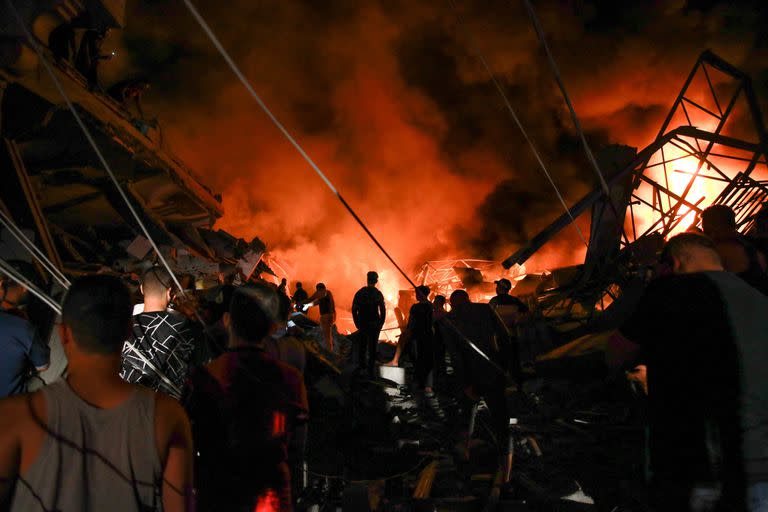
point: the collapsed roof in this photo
(56, 187)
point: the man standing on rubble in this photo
(702, 336)
(323, 299)
(469, 322)
(300, 296)
(164, 343)
(369, 314)
(503, 297)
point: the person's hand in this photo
(638, 374)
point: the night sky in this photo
(389, 99)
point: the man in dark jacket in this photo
(369, 313)
(244, 407)
(479, 324)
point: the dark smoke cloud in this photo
(390, 100)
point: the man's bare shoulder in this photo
(19, 412)
(168, 410)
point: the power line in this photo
(512, 113)
(34, 290)
(35, 251)
(574, 117)
(246, 83)
(92, 142)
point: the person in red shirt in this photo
(244, 406)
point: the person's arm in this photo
(641, 328)
(39, 351)
(356, 310)
(174, 438)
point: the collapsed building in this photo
(710, 150)
(56, 189)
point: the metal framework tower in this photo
(711, 149)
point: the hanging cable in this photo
(35, 251)
(35, 45)
(236, 70)
(519, 124)
(574, 117)
(33, 42)
(17, 276)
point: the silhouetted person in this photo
(94, 442)
(21, 348)
(323, 298)
(281, 343)
(759, 233)
(89, 56)
(503, 298)
(438, 306)
(480, 324)
(130, 91)
(61, 42)
(300, 296)
(421, 335)
(438, 313)
(737, 253)
(369, 314)
(244, 407)
(702, 336)
(282, 287)
(164, 343)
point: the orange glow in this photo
(267, 502)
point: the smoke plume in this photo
(390, 100)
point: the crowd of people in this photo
(170, 402)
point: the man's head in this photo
(503, 286)
(96, 317)
(156, 284)
(422, 293)
(761, 222)
(690, 252)
(298, 285)
(252, 313)
(459, 298)
(718, 221)
(320, 286)
(372, 278)
(283, 281)
(12, 293)
(439, 301)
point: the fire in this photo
(706, 184)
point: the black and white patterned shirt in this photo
(158, 355)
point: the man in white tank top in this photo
(94, 442)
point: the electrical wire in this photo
(11, 272)
(561, 85)
(49, 69)
(35, 45)
(246, 83)
(517, 121)
(35, 251)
